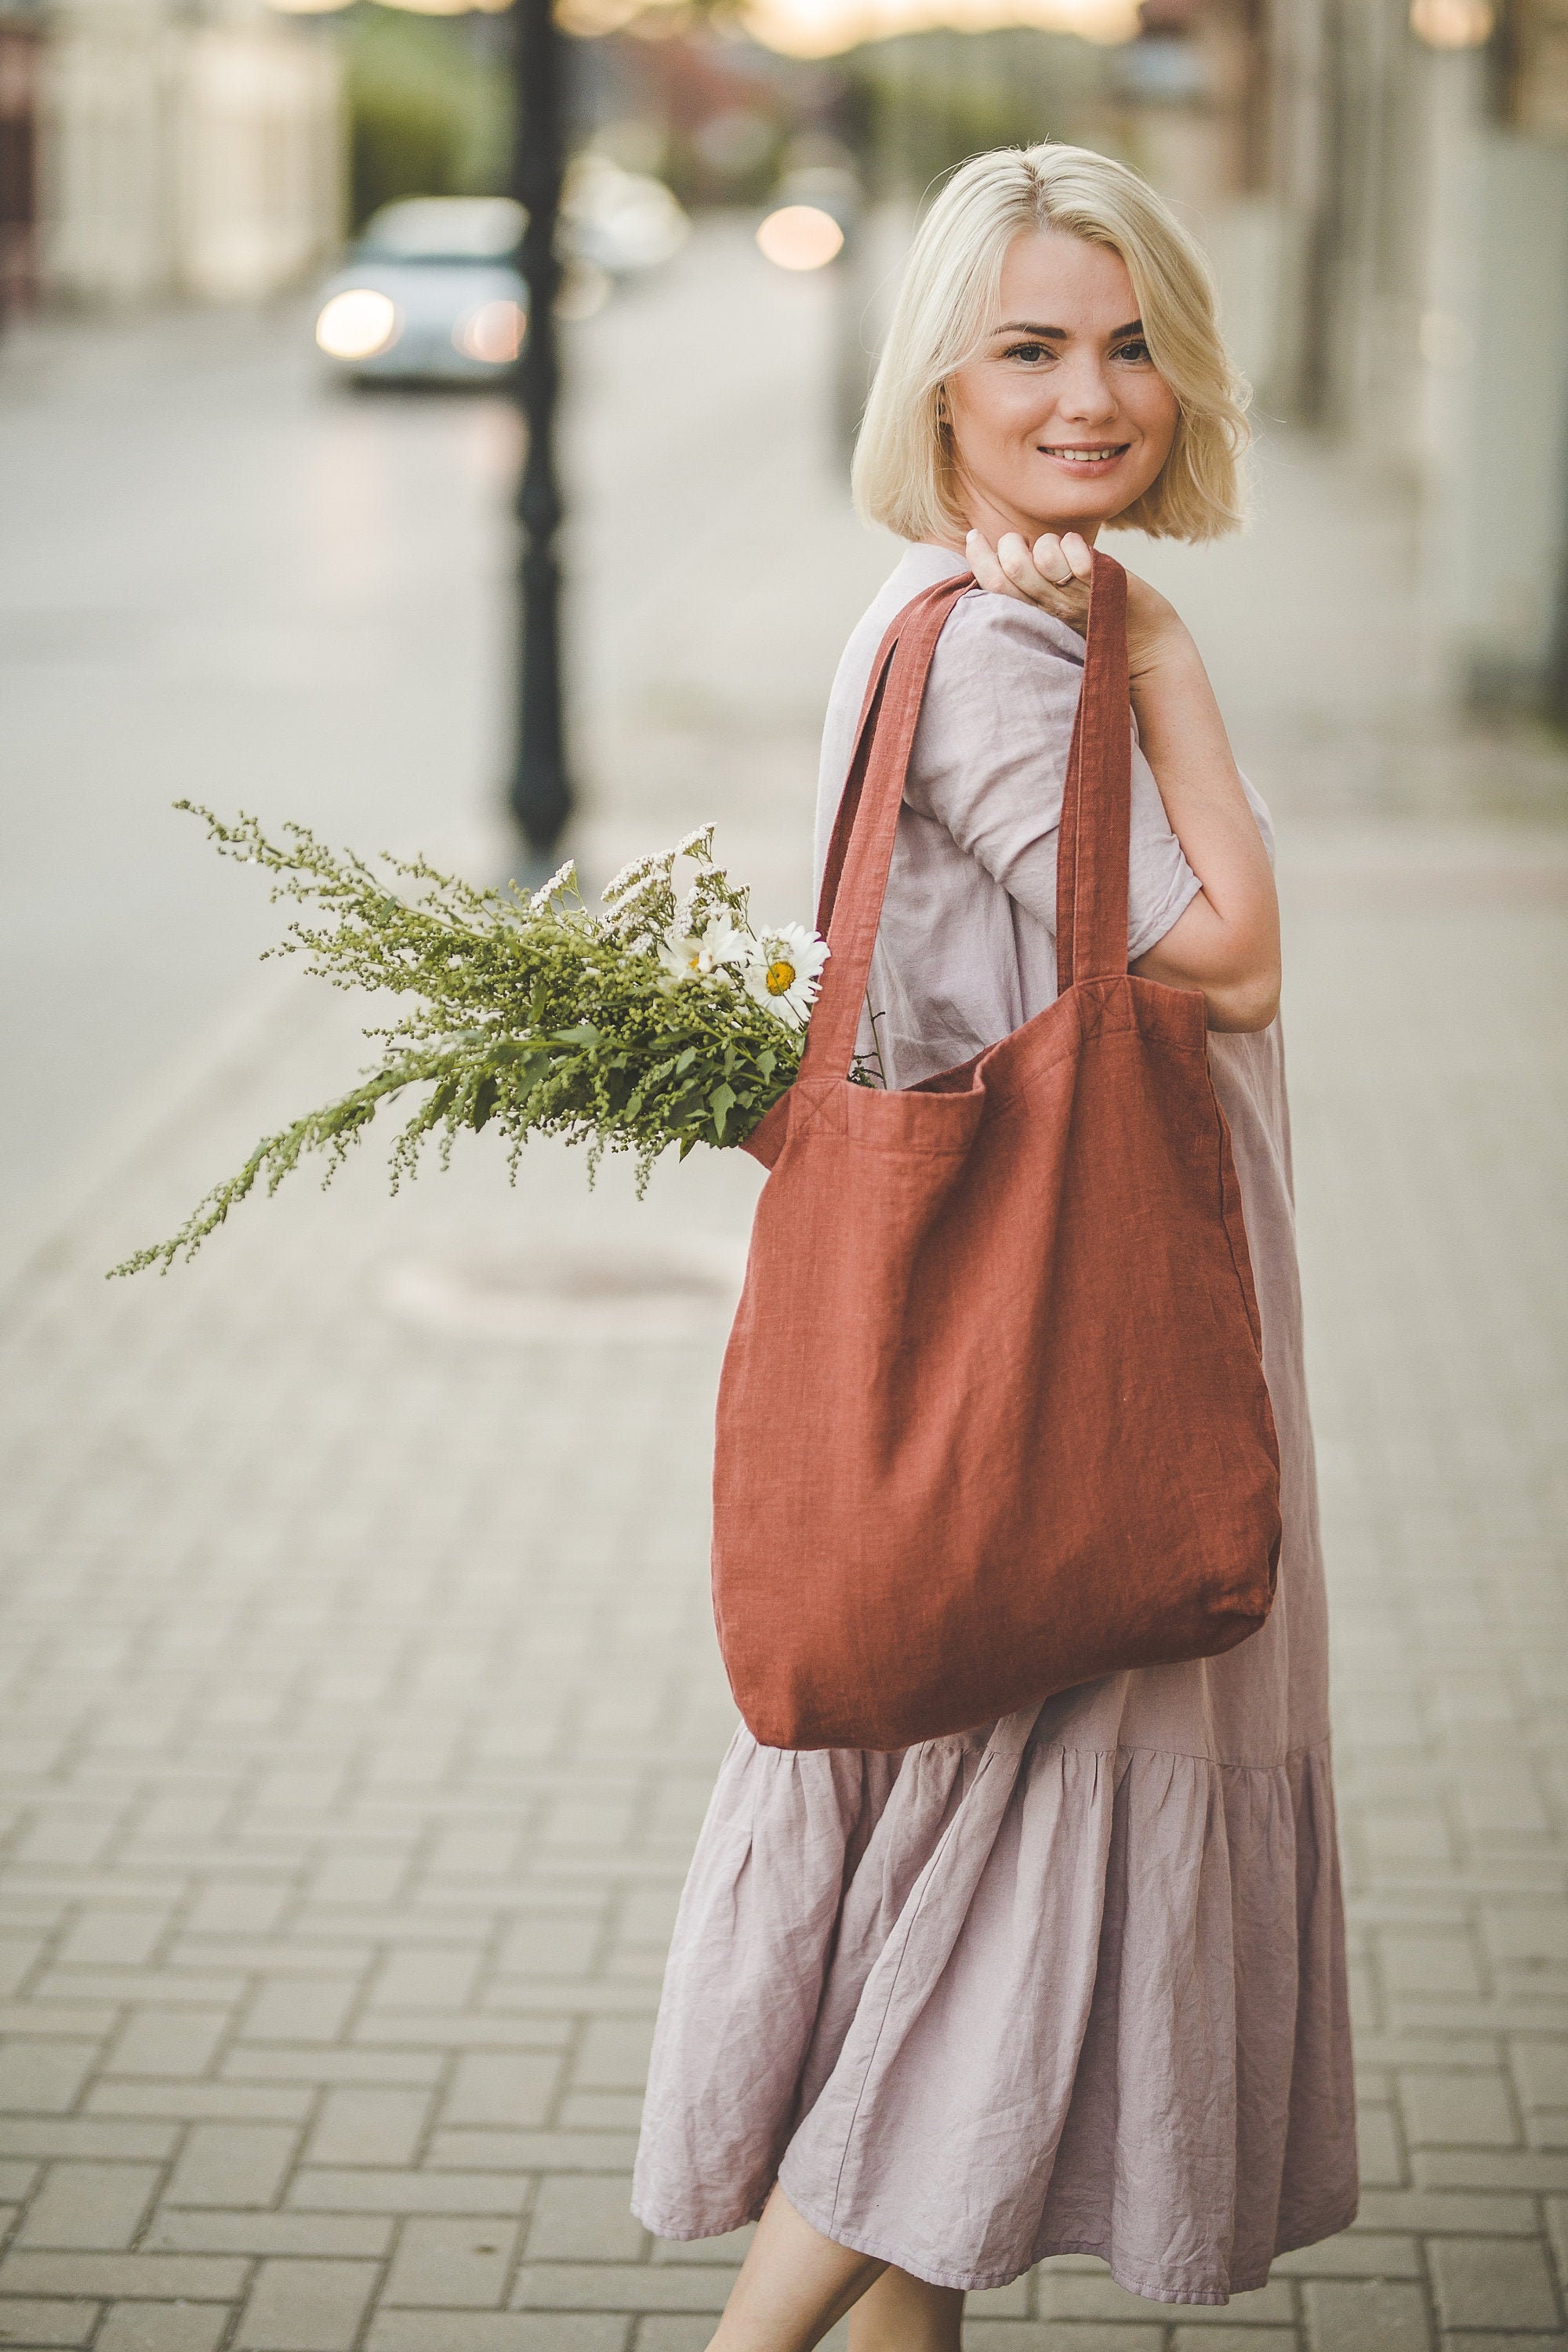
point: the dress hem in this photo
(979, 2282)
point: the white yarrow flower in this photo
(783, 971)
(565, 878)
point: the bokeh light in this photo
(800, 237)
(493, 332)
(1453, 24)
(357, 323)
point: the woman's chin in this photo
(1086, 519)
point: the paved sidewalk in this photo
(361, 1700)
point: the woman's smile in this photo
(1099, 458)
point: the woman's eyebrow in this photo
(1028, 327)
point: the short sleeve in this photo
(990, 758)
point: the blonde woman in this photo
(1122, 2030)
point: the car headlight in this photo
(357, 324)
(493, 332)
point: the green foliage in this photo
(530, 1015)
(429, 110)
(934, 98)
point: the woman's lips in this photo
(1098, 457)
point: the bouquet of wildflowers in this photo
(665, 1018)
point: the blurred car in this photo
(620, 222)
(431, 291)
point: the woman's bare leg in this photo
(901, 2314)
(795, 2285)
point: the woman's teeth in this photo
(1084, 456)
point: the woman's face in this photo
(1061, 421)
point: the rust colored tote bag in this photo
(993, 1419)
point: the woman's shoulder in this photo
(1002, 635)
(1000, 663)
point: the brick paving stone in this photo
(585, 2219)
(44, 2077)
(599, 2286)
(474, 2331)
(501, 2089)
(1023, 2336)
(79, 2136)
(1204, 2336)
(1484, 2340)
(158, 2043)
(25, 2322)
(361, 2125)
(306, 2305)
(1367, 2316)
(450, 2265)
(179, 2277)
(328, 2191)
(313, 2009)
(1471, 2110)
(161, 2328)
(1482, 2283)
(1356, 2253)
(93, 2206)
(182, 2230)
(232, 2164)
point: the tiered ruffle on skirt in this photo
(1013, 1994)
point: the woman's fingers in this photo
(1052, 574)
(984, 564)
(1074, 551)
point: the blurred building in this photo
(194, 151)
(1420, 173)
(20, 57)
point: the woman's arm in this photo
(1227, 942)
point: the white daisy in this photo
(693, 955)
(783, 971)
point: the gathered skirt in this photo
(1073, 1982)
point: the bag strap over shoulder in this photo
(1092, 852)
(1097, 803)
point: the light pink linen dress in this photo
(1073, 1982)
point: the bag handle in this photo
(1092, 850)
(1095, 841)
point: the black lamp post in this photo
(540, 793)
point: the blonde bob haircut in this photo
(905, 473)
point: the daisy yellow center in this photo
(781, 977)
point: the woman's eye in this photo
(1136, 352)
(1030, 353)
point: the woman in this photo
(1132, 2041)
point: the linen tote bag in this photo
(993, 1419)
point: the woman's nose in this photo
(1083, 390)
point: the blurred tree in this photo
(429, 107)
(932, 99)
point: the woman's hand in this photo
(1227, 941)
(1055, 573)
